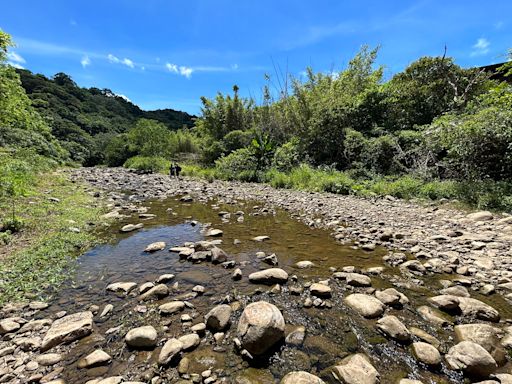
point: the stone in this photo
(131, 227)
(237, 274)
(366, 305)
(218, 319)
(392, 297)
(94, 359)
(301, 377)
(475, 308)
(424, 336)
(67, 329)
(122, 287)
(456, 290)
(189, 341)
(297, 336)
(165, 278)
(8, 326)
(470, 358)
(433, 316)
(480, 216)
(157, 292)
(142, 337)
(171, 307)
(145, 287)
(445, 302)
(304, 264)
(214, 233)
(320, 290)
(49, 359)
(198, 328)
(358, 280)
(154, 247)
(356, 369)
(426, 353)
(107, 310)
(484, 335)
(394, 328)
(260, 327)
(171, 349)
(261, 238)
(218, 255)
(413, 265)
(269, 276)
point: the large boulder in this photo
(142, 337)
(471, 358)
(356, 369)
(301, 377)
(218, 319)
(68, 329)
(475, 308)
(269, 276)
(366, 305)
(260, 327)
(484, 335)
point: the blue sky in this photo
(166, 53)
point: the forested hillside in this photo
(85, 120)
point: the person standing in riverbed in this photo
(172, 170)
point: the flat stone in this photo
(94, 359)
(269, 276)
(68, 329)
(394, 328)
(356, 369)
(189, 341)
(320, 290)
(366, 305)
(171, 307)
(358, 280)
(122, 287)
(157, 292)
(131, 227)
(154, 247)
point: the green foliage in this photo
(237, 139)
(12, 225)
(118, 151)
(148, 164)
(287, 156)
(240, 164)
(149, 138)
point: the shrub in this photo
(12, 225)
(240, 163)
(287, 156)
(237, 139)
(148, 164)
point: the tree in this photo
(150, 138)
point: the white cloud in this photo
(128, 62)
(481, 47)
(15, 65)
(171, 67)
(15, 58)
(85, 61)
(186, 71)
(112, 58)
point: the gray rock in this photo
(356, 369)
(142, 337)
(218, 319)
(94, 359)
(394, 328)
(68, 329)
(426, 353)
(171, 349)
(471, 358)
(366, 305)
(269, 276)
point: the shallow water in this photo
(332, 333)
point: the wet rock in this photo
(358, 280)
(214, 233)
(320, 290)
(218, 255)
(271, 259)
(68, 329)
(146, 287)
(301, 377)
(170, 350)
(392, 297)
(456, 290)
(297, 336)
(218, 319)
(394, 328)
(157, 292)
(183, 366)
(304, 264)
(131, 227)
(198, 328)
(189, 341)
(433, 316)
(470, 358)
(365, 305)
(165, 278)
(475, 308)
(261, 238)
(95, 359)
(356, 369)
(154, 247)
(37, 305)
(445, 302)
(171, 307)
(142, 337)
(426, 353)
(260, 327)
(237, 274)
(269, 276)
(484, 335)
(122, 287)
(107, 310)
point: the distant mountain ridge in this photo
(83, 119)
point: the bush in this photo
(380, 155)
(287, 156)
(240, 164)
(237, 139)
(148, 164)
(12, 225)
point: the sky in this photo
(169, 53)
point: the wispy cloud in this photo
(171, 67)
(15, 58)
(128, 63)
(180, 70)
(85, 61)
(481, 47)
(112, 58)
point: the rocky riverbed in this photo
(241, 283)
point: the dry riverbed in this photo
(242, 283)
